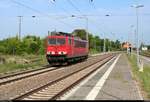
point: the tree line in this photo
(96, 43)
(36, 45)
(27, 45)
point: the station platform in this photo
(113, 81)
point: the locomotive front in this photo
(56, 51)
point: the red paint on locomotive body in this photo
(62, 48)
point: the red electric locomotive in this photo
(64, 47)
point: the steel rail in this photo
(63, 77)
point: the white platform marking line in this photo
(65, 97)
(94, 92)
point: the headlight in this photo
(53, 52)
(59, 52)
(48, 53)
(64, 52)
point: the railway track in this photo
(11, 74)
(146, 54)
(25, 74)
(18, 76)
(56, 88)
(21, 84)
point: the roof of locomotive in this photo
(63, 34)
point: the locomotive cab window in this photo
(56, 41)
(60, 41)
(52, 41)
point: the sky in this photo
(50, 16)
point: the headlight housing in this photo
(62, 52)
(48, 53)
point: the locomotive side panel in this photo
(80, 48)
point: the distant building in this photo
(126, 45)
(144, 48)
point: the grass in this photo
(13, 67)
(36, 61)
(142, 77)
(94, 51)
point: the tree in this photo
(117, 45)
(91, 41)
(42, 47)
(32, 44)
(148, 46)
(106, 44)
(12, 45)
(80, 33)
(33, 48)
(97, 43)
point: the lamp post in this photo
(109, 45)
(133, 34)
(137, 18)
(20, 26)
(104, 47)
(33, 18)
(121, 39)
(19, 32)
(114, 36)
(111, 41)
(86, 18)
(128, 44)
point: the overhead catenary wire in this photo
(94, 7)
(71, 3)
(74, 6)
(96, 26)
(62, 8)
(77, 9)
(28, 7)
(41, 13)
